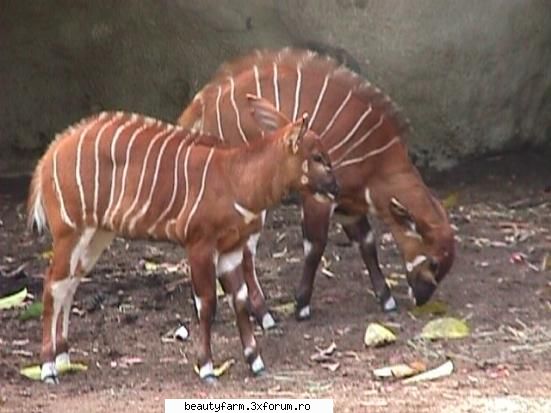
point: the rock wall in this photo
(472, 76)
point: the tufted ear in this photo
(297, 132)
(266, 115)
(404, 218)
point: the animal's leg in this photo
(83, 258)
(360, 233)
(257, 302)
(315, 225)
(233, 283)
(203, 281)
(58, 284)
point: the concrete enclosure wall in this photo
(473, 76)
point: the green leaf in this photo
(32, 311)
(13, 300)
(376, 335)
(446, 327)
(434, 307)
(33, 372)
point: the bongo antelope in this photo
(363, 133)
(128, 175)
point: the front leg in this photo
(231, 277)
(359, 231)
(203, 281)
(315, 226)
(259, 308)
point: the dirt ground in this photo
(503, 218)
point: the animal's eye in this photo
(317, 158)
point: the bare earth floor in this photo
(130, 302)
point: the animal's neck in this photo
(260, 174)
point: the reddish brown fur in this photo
(386, 169)
(203, 217)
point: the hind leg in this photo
(60, 286)
(359, 232)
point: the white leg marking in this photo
(263, 217)
(181, 333)
(64, 217)
(390, 304)
(307, 247)
(229, 262)
(201, 190)
(236, 110)
(145, 207)
(257, 81)
(412, 233)
(202, 117)
(175, 188)
(304, 312)
(419, 259)
(80, 249)
(198, 305)
(268, 321)
(352, 131)
(218, 119)
(108, 214)
(257, 365)
(252, 243)
(318, 102)
(96, 162)
(242, 294)
(85, 130)
(142, 176)
(369, 238)
(62, 292)
(336, 114)
(206, 370)
(248, 216)
(360, 141)
(97, 245)
(412, 296)
(369, 201)
(248, 351)
(48, 372)
(297, 92)
(276, 87)
(62, 359)
(374, 152)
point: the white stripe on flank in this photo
(186, 193)
(77, 168)
(202, 117)
(64, 217)
(297, 92)
(218, 120)
(147, 203)
(96, 158)
(116, 136)
(276, 87)
(369, 154)
(201, 190)
(257, 81)
(361, 140)
(336, 114)
(123, 180)
(237, 118)
(152, 228)
(352, 131)
(318, 103)
(142, 175)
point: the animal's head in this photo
(424, 235)
(305, 158)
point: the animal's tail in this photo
(36, 216)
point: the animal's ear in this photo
(297, 132)
(403, 216)
(266, 115)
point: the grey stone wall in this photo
(473, 76)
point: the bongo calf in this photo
(129, 175)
